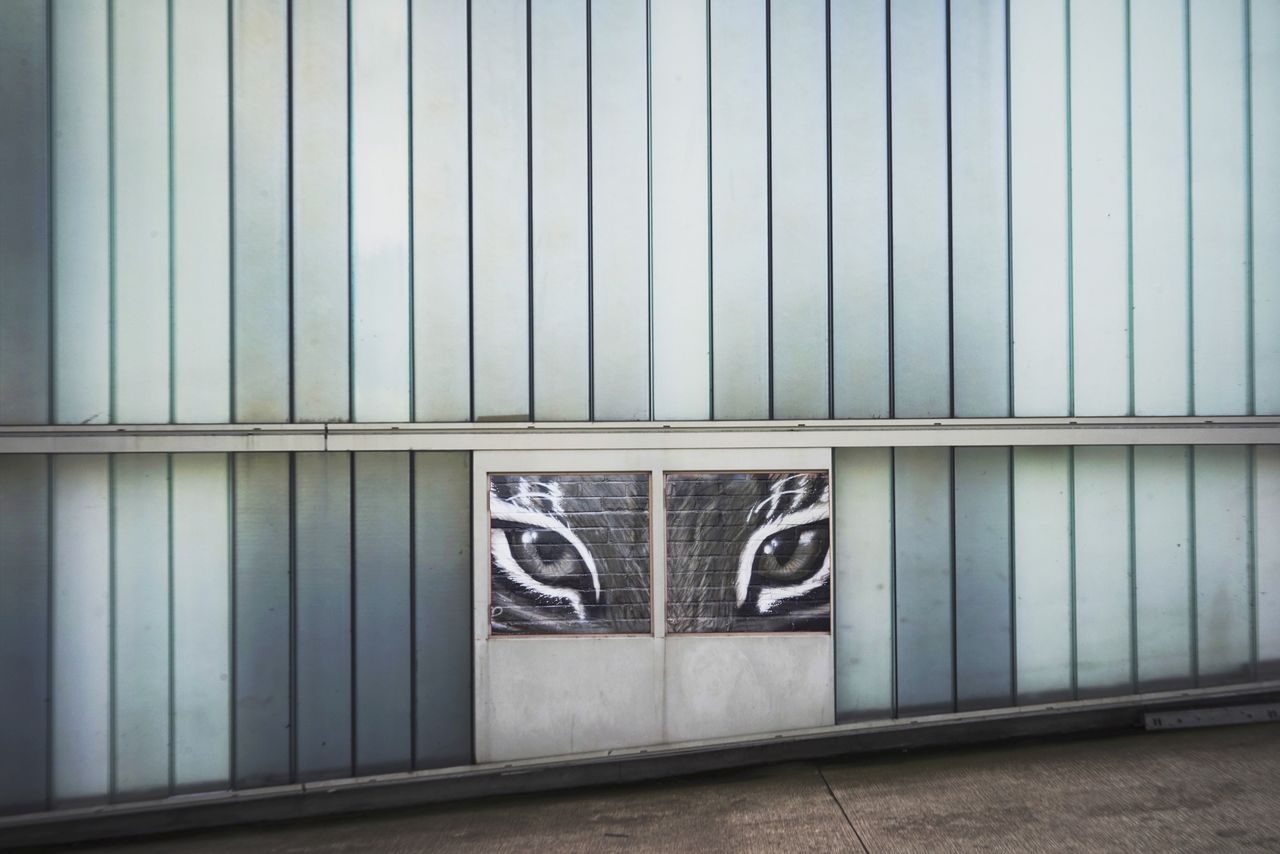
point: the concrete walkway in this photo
(1190, 790)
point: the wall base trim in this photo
(333, 797)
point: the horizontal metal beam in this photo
(547, 436)
(627, 765)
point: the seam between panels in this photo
(50, 615)
(1008, 217)
(1071, 568)
(951, 257)
(173, 693)
(1250, 367)
(412, 457)
(51, 350)
(1128, 174)
(111, 212)
(1251, 461)
(113, 699)
(412, 331)
(292, 510)
(768, 159)
(711, 278)
(173, 365)
(1071, 267)
(1013, 579)
(955, 608)
(351, 270)
(352, 589)
(471, 243)
(290, 228)
(831, 287)
(893, 580)
(232, 415)
(1191, 251)
(591, 233)
(648, 95)
(231, 620)
(528, 102)
(888, 109)
(1193, 566)
(1134, 664)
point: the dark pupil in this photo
(548, 547)
(792, 555)
(782, 546)
(546, 556)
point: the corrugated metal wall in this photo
(972, 578)
(435, 210)
(193, 622)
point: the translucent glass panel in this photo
(24, 214)
(986, 577)
(729, 209)
(215, 620)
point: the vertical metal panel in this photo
(1042, 573)
(558, 158)
(499, 212)
(382, 613)
(1264, 150)
(323, 615)
(739, 210)
(798, 93)
(984, 614)
(263, 644)
(442, 608)
(24, 213)
(1102, 571)
(979, 198)
(1038, 130)
(140, 624)
(380, 265)
(620, 208)
(1161, 264)
(1219, 207)
(321, 273)
(202, 686)
(859, 210)
(80, 692)
(864, 622)
(1162, 567)
(921, 231)
(260, 209)
(1224, 583)
(679, 252)
(1266, 509)
(81, 215)
(441, 306)
(1099, 208)
(201, 213)
(24, 631)
(140, 210)
(923, 579)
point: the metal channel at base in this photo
(1221, 716)
(333, 797)
(547, 436)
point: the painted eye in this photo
(792, 555)
(548, 557)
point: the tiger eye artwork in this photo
(569, 553)
(748, 552)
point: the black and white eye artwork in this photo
(569, 553)
(748, 552)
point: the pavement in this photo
(1186, 790)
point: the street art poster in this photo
(748, 552)
(569, 553)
